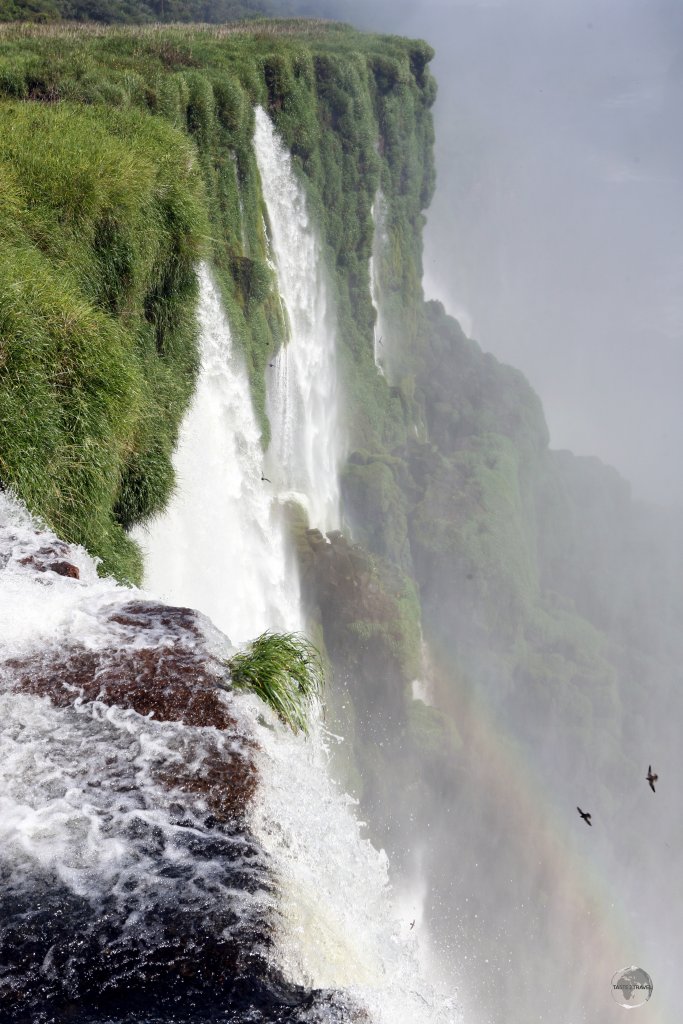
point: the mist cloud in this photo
(554, 233)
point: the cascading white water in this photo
(221, 545)
(99, 833)
(342, 926)
(303, 409)
(97, 813)
(378, 241)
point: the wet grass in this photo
(101, 222)
(285, 671)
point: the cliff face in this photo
(146, 161)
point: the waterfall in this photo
(116, 832)
(130, 881)
(147, 811)
(379, 240)
(336, 923)
(221, 545)
(302, 393)
(342, 925)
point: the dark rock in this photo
(65, 569)
(176, 923)
(173, 679)
(51, 556)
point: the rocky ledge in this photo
(132, 886)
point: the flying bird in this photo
(412, 925)
(379, 341)
(586, 816)
(265, 479)
(271, 364)
(651, 778)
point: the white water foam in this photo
(342, 927)
(86, 790)
(306, 445)
(40, 609)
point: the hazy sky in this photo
(556, 228)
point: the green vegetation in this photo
(100, 227)
(521, 590)
(127, 155)
(136, 11)
(285, 671)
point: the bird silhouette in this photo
(412, 925)
(379, 341)
(651, 778)
(271, 364)
(586, 816)
(265, 479)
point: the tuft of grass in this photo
(285, 671)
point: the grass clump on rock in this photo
(285, 671)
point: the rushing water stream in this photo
(379, 240)
(221, 545)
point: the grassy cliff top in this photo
(196, 45)
(137, 11)
(75, 49)
(99, 273)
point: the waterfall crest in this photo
(302, 404)
(130, 881)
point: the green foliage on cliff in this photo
(135, 11)
(179, 102)
(100, 227)
(125, 155)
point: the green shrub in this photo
(285, 671)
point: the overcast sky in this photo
(556, 232)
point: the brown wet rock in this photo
(348, 583)
(148, 616)
(225, 779)
(174, 679)
(176, 938)
(52, 557)
(65, 569)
